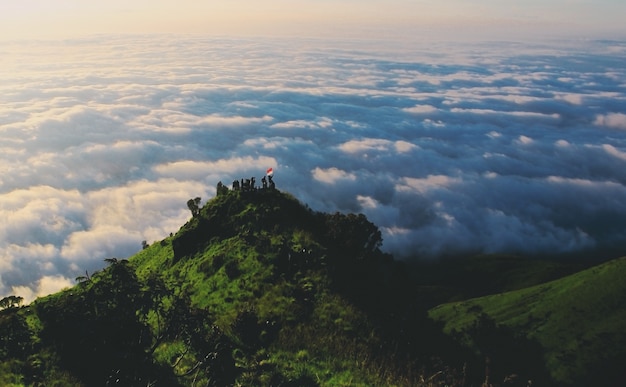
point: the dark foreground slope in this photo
(574, 326)
(258, 290)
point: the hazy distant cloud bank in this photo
(449, 149)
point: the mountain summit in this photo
(255, 289)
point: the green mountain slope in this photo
(576, 325)
(256, 289)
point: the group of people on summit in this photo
(249, 184)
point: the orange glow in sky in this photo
(349, 18)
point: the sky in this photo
(452, 146)
(351, 18)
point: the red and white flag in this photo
(269, 172)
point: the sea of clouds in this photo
(449, 148)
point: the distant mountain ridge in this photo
(258, 289)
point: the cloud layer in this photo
(449, 149)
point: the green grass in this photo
(579, 320)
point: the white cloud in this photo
(221, 121)
(421, 109)
(357, 146)
(322, 123)
(188, 169)
(367, 201)
(583, 183)
(429, 183)
(505, 113)
(613, 151)
(99, 243)
(376, 145)
(39, 253)
(332, 175)
(524, 140)
(40, 214)
(104, 139)
(574, 99)
(44, 286)
(404, 146)
(612, 120)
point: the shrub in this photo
(232, 269)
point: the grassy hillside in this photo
(576, 325)
(256, 289)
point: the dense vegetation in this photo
(257, 289)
